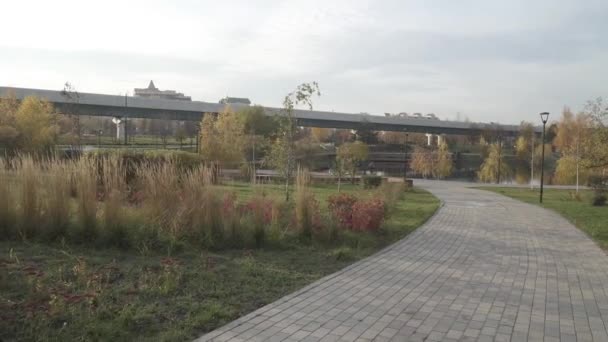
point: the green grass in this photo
(68, 293)
(592, 220)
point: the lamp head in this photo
(544, 116)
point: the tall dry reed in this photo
(113, 177)
(85, 181)
(29, 220)
(306, 206)
(56, 198)
(7, 201)
(159, 185)
(202, 206)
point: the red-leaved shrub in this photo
(368, 215)
(229, 205)
(341, 207)
(260, 208)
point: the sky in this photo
(500, 61)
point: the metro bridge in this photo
(145, 108)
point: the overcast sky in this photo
(501, 61)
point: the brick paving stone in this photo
(483, 268)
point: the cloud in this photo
(492, 61)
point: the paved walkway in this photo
(484, 268)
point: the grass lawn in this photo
(592, 220)
(73, 293)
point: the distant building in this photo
(154, 93)
(235, 100)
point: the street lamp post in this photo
(544, 116)
(126, 123)
(405, 158)
(499, 158)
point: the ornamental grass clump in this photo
(258, 212)
(29, 220)
(56, 203)
(159, 200)
(307, 214)
(7, 202)
(113, 178)
(85, 180)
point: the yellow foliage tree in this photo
(35, 123)
(574, 141)
(8, 132)
(321, 134)
(494, 166)
(566, 171)
(422, 162)
(350, 154)
(395, 138)
(222, 138)
(444, 162)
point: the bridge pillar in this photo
(429, 138)
(440, 138)
(120, 128)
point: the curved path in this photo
(484, 268)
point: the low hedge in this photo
(370, 182)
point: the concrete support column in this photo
(439, 139)
(429, 138)
(120, 128)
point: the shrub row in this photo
(161, 205)
(360, 214)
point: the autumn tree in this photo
(350, 154)
(423, 161)
(598, 153)
(494, 166)
(393, 138)
(445, 164)
(524, 147)
(29, 125)
(320, 134)
(366, 133)
(282, 153)
(74, 125)
(341, 136)
(222, 139)
(573, 140)
(8, 133)
(256, 122)
(259, 128)
(180, 135)
(35, 122)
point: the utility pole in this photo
(253, 157)
(544, 117)
(499, 158)
(577, 160)
(126, 122)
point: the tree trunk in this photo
(287, 188)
